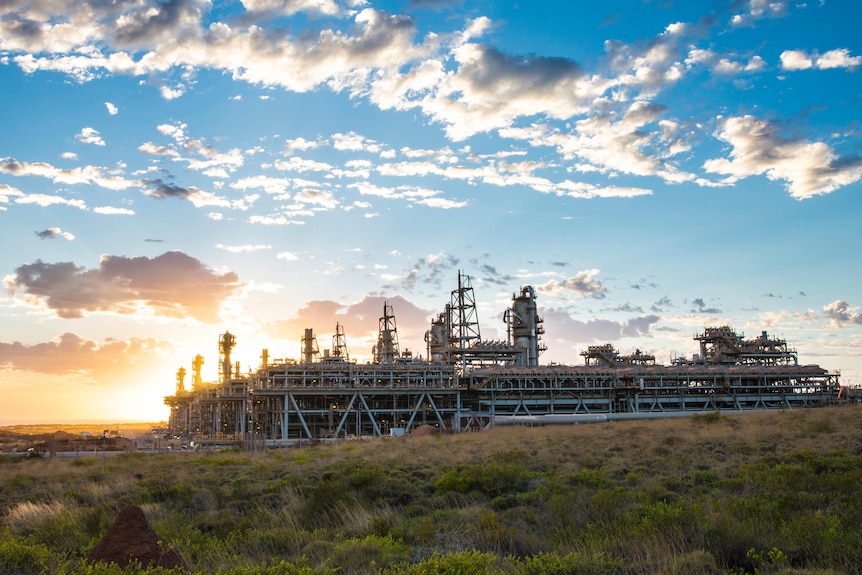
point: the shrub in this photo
(23, 558)
(464, 563)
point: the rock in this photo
(131, 538)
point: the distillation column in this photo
(226, 342)
(525, 325)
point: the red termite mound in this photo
(130, 538)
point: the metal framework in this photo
(468, 383)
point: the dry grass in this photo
(26, 515)
(630, 489)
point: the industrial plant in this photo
(467, 383)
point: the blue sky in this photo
(172, 170)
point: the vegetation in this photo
(755, 493)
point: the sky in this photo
(173, 170)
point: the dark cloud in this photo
(162, 189)
(560, 326)
(661, 305)
(171, 285)
(163, 19)
(71, 354)
(430, 271)
(639, 326)
(51, 233)
(501, 73)
(628, 308)
(641, 284)
(11, 166)
(700, 307)
(490, 274)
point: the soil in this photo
(131, 538)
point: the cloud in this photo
(360, 321)
(55, 233)
(802, 60)
(290, 7)
(582, 284)
(562, 328)
(172, 285)
(90, 136)
(299, 144)
(840, 313)
(295, 164)
(274, 220)
(615, 121)
(108, 178)
(71, 354)
(808, 168)
(323, 199)
(430, 271)
(496, 88)
(196, 153)
(244, 249)
(160, 189)
(701, 307)
(112, 109)
(758, 10)
(661, 305)
(45, 200)
(112, 211)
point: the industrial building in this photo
(467, 383)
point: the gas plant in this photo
(467, 383)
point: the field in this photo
(769, 492)
(75, 437)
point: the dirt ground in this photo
(74, 437)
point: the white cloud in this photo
(801, 60)
(244, 249)
(321, 198)
(290, 7)
(90, 136)
(838, 59)
(45, 200)
(273, 186)
(274, 221)
(442, 203)
(295, 164)
(7, 192)
(582, 284)
(112, 211)
(299, 144)
(808, 168)
(112, 109)
(841, 313)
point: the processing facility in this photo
(468, 383)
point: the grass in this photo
(769, 492)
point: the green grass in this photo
(774, 492)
